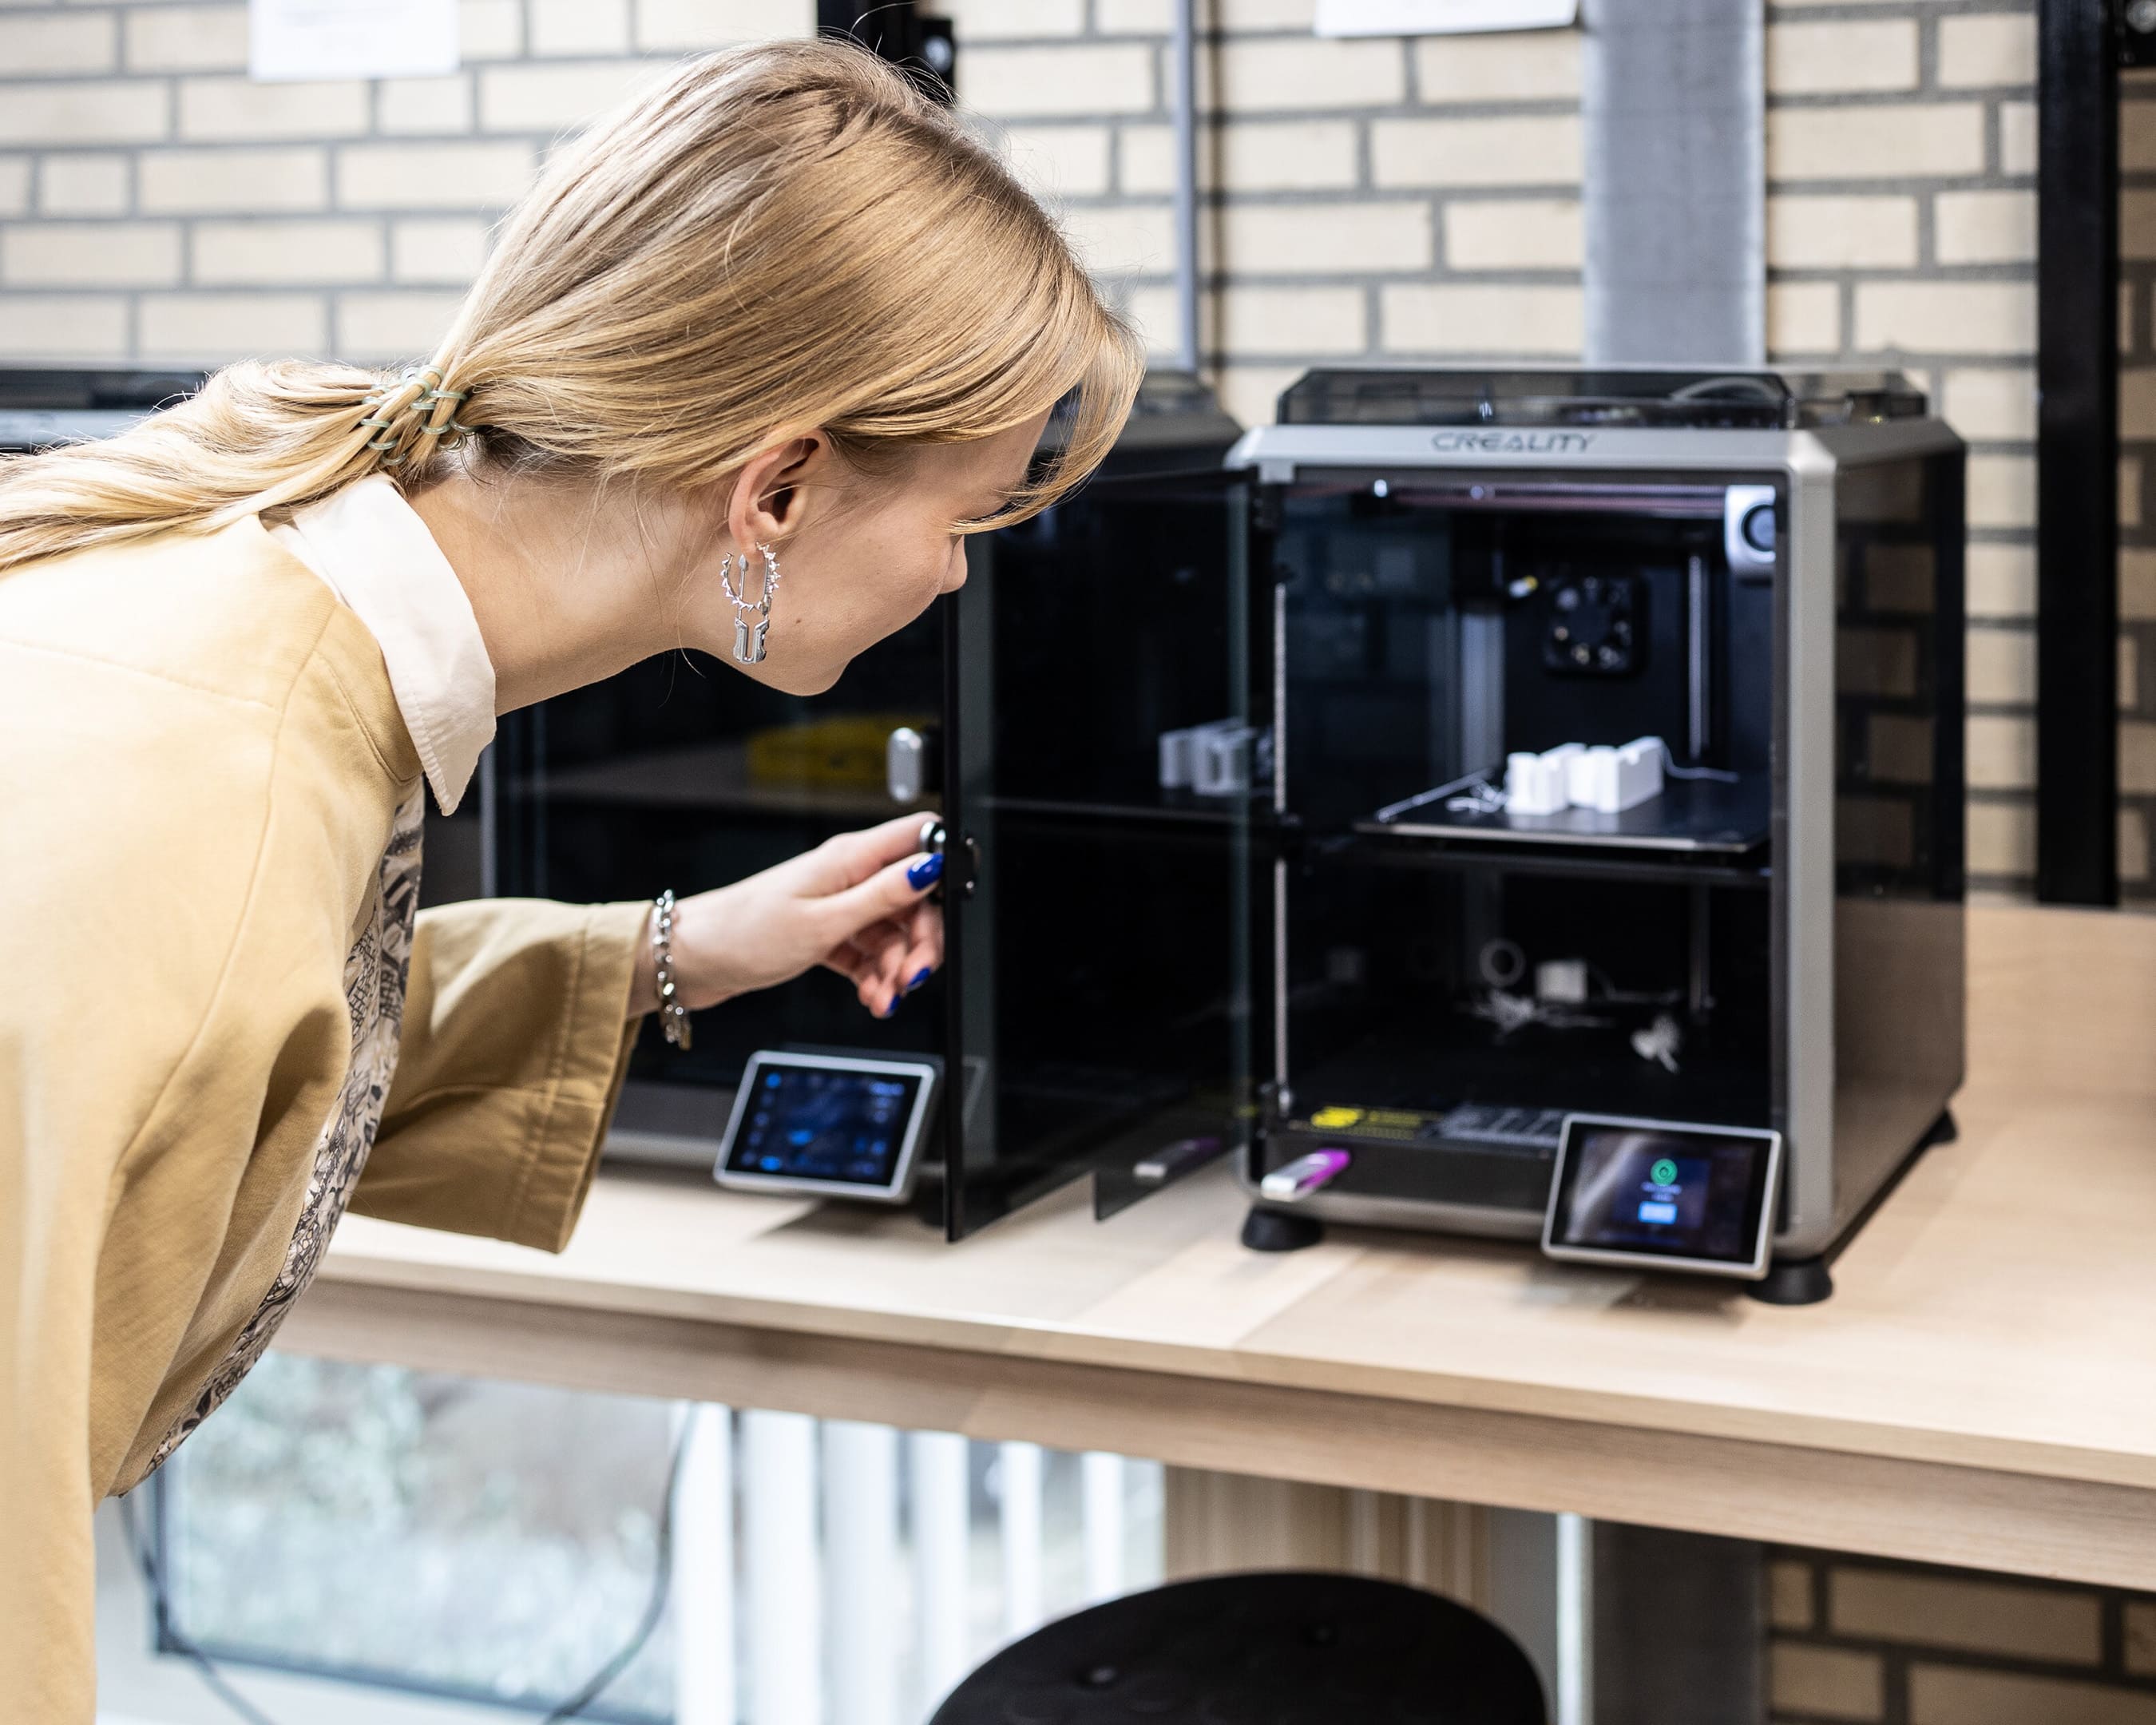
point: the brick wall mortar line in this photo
(1898, 1653)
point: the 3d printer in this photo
(1618, 773)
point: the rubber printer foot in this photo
(1798, 1282)
(1266, 1230)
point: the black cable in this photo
(168, 1637)
(654, 1608)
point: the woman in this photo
(745, 369)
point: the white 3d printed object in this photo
(1610, 780)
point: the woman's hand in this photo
(856, 904)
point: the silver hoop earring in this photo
(752, 617)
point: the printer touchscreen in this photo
(827, 1123)
(1690, 1197)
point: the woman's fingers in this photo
(886, 935)
(892, 891)
(875, 962)
(924, 945)
(852, 858)
(865, 968)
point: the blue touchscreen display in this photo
(1674, 1195)
(811, 1123)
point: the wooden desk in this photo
(1981, 1390)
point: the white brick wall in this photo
(84, 326)
(1086, 78)
(554, 98)
(15, 174)
(1364, 198)
(58, 43)
(285, 253)
(90, 255)
(71, 185)
(1813, 57)
(436, 251)
(1875, 1644)
(1283, 73)
(220, 109)
(1897, 142)
(182, 326)
(1541, 150)
(187, 39)
(1543, 65)
(85, 111)
(579, 27)
(350, 209)
(238, 181)
(1901, 217)
(1507, 234)
(1824, 231)
(438, 176)
(433, 105)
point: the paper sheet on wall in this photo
(290, 40)
(1441, 17)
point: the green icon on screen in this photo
(1663, 1172)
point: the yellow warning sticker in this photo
(1335, 1118)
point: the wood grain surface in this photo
(1980, 1390)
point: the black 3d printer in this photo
(1617, 898)
(1521, 803)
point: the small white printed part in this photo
(1539, 784)
(1221, 761)
(1561, 981)
(1611, 780)
(1660, 1042)
(1176, 749)
(1215, 760)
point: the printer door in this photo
(1107, 767)
(683, 773)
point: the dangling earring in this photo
(752, 618)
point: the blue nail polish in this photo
(891, 1010)
(920, 977)
(927, 872)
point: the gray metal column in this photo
(1673, 111)
(1678, 1628)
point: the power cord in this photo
(600, 1680)
(1670, 769)
(654, 1608)
(153, 1579)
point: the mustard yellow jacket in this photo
(200, 761)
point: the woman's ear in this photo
(773, 493)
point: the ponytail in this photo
(258, 435)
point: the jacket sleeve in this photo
(515, 1038)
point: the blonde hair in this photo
(776, 238)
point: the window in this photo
(497, 1542)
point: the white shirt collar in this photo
(377, 555)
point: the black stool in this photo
(1289, 1649)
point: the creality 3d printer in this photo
(1616, 797)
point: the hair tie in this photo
(419, 394)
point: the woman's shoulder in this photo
(159, 669)
(193, 727)
(227, 614)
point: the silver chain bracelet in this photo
(673, 1016)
